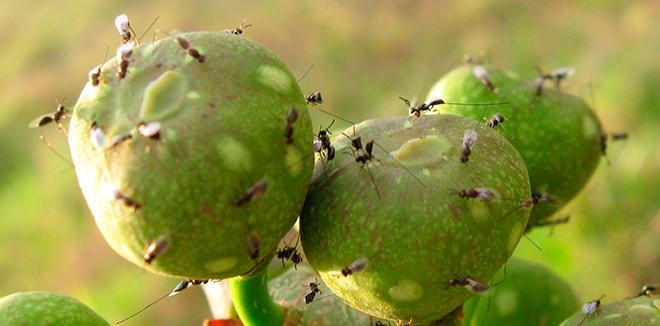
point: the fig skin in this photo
(45, 308)
(415, 232)
(557, 134)
(222, 182)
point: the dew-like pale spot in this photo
(514, 236)
(406, 291)
(221, 264)
(422, 151)
(274, 78)
(293, 161)
(507, 302)
(234, 155)
(163, 96)
(613, 316)
(192, 95)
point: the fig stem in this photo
(252, 301)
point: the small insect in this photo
(485, 194)
(95, 73)
(239, 30)
(355, 267)
(156, 249)
(291, 118)
(590, 308)
(619, 136)
(362, 154)
(124, 52)
(180, 287)
(322, 144)
(149, 129)
(560, 74)
(495, 121)
(58, 116)
(124, 28)
(132, 204)
(417, 109)
(469, 139)
(184, 44)
(545, 198)
(313, 291)
(314, 98)
(289, 253)
(253, 245)
(481, 74)
(470, 284)
(648, 290)
(119, 139)
(256, 190)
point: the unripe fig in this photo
(44, 308)
(389, 232)
(643, 310)
(530, 294)
(556, 133)
(194, 164)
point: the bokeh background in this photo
(365, 54)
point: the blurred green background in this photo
(365, 54)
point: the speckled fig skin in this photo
(531, 294)
(417, 236)
(47, 309)
(632, 312)
(223, 131)
(556, 133)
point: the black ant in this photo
(648, 290)
(156, 249)
(256, 190)
(124, 52)
(124, 28)
(291, 118)
(185, 45)
(495, 121)
(253, 245)
(591, 308)
(481, 74)
(239, 30)
(417, 109)
(313, 291)
(314, 98)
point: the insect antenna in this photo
(148, 29)
(305, 73)
(178, 289)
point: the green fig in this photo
(46, 309)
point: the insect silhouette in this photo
(313, 291)
(124, 28)
(185, 45)
(156, 249)
(417, 109)
(289, 253)
(253, 243)
(57, 117)
(291, 118)
(363, 155)
(648, 290)
(149, 129)
(95, 73)
(557, 76)
(314, 98)
(355, 267)
(258, 189)
(180, 287)
(322, 144)
(481, 74)
(591, 308)
(124, 53)
(495, 121)
(485, 194)
(470, 284)
(239, 30)
(470, 137)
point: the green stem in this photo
(252, 301)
